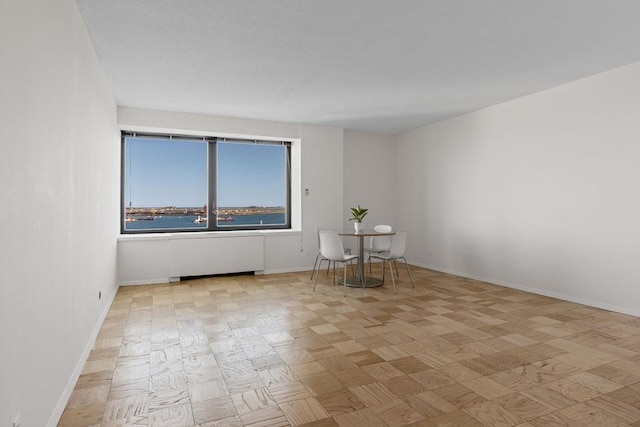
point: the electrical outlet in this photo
(17, 421)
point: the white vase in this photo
(358, 226)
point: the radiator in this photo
(195, 256)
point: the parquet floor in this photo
(267, 351)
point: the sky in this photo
(161, 172)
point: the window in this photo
(173, 183)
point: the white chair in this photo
(398, 246)
(332, 250)
(379, 244)
(320, 258)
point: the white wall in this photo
(369, 177)
(59, 186)
(541, 193)
(317, 163)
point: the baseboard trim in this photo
(82, 360)
(537, 291)
(145, 282)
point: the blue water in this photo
(186, 221)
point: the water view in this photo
(198, 222)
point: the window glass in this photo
(166, 184)
(177, 183)
(251, 184)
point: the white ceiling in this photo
(378, 66)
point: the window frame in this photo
(212, 206)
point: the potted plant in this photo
(358, 214)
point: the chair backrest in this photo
(318, 228)
(398, 244)
(331, 245)
(381, 243)
(318, 235)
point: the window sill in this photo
(205, 235)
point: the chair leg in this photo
(383, 271)
(392, 279)
(344, 280)
(315, 264)
(320, 265)
(409, 271)
(334, 273)
(316, 281)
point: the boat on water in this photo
(139, 218)
(203, 220)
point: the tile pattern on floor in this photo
(267, 351)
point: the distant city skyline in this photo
(200, 207)
(161, 172)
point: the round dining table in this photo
(361, 278)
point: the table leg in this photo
(361, 259)
(369, 282)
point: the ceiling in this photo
(376, 66)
